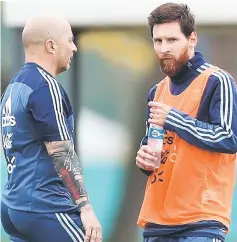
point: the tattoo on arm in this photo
(69, 168)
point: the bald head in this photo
(44, 27)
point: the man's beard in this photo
(171, 66)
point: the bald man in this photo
(44, 199)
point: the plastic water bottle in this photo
(155, 140)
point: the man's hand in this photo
(91, 224)
(146, 159)
(158, 113)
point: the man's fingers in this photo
(154, 104)
(93, 235)
(144, 164)
(146, 158)
(146, 168)
(148, 155)
(88, 234)
(155, 110)
(154, 121)
(99, 235)
(146, 149)
(140, 165)
(155, 116)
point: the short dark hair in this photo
(171, 12)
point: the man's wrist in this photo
(83, 203)
(167, 125)
(85, 207)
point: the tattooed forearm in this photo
(69, 168)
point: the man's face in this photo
(66, 49)
(173, 49)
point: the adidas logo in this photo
(7, 118)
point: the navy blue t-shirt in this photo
(34, 109)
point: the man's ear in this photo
(193, 39)
(50, 46)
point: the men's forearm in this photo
(69, 168)
(203, 135)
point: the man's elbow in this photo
(56, 147)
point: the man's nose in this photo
(74, 48)
(164, 48)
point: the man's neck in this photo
(191, 55)
(43, 62)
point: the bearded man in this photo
(189, 197)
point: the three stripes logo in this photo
(57, 104)
(73, 230)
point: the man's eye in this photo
(157, 40)
(172, 40)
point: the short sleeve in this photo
(46, 108)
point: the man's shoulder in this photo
(152, 92)
(153, 89)
(220, 74)
(218, 77)
(37, 78)
(223, 79)
(30, 77)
